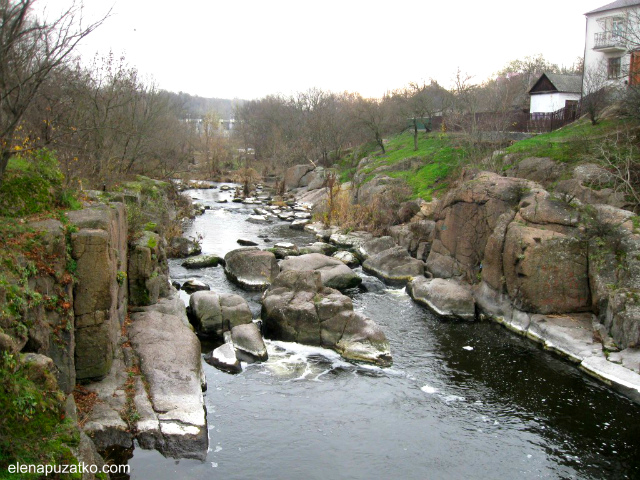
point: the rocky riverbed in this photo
(508, 408)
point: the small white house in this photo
(612, 45)
(553, 91)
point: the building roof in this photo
(614, 5)
(561, 83)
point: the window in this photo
(617, 27)
(613, 67)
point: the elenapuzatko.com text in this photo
(81, 468)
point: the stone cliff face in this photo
(148, 270)
(540, 253)
(80, 333)
(99, 248)
(96, 275)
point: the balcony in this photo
(609, 42)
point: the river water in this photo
(462, 400)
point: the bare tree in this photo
(332, 185)
(420, 102)
(466, 103)
(375, 116)
(597, 93)
(621, 158)
(30, 49)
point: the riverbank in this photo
(578, 336)
(473, 387)
(90, 326)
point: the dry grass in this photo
(375, 217)
(85, 401)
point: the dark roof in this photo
(561, 83)
(614, 5)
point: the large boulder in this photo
(545, 271)
(573, 188)
(315, 197)
(622, 317)
(351, 240)
(446, 298)
(413, 234)
(591, 184)
(248, 343)
(348, 258)
(213, 313)
(203, 261)
(170, 360)
(538, 169)
(591, 174)
(298, 308)
(182, 247)
(394, 266)
(251, 268)
(375, 246)
(492, 266)
(298, 176)
(465, 218)
(224, 358)
(379, 186)
(44, 335)
(614, 274)
(284, 249)
(541, 208)
(333, 272)
(319, 247)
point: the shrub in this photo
(621, 157)
(375, 217)
(32, 184)
(32, 425)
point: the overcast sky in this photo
(248, 49)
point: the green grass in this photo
(428, 180)
(436, 158)
(33, 184)
(33, 429)
(569, 144)
(439, 156)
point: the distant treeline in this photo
(194, 106)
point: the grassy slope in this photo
(569, 144)
(442, 154)
(437, 152)
(33, 429)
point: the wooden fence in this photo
(515, 121)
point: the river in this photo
(462, 400)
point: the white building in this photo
(551, 92)
(612, 44)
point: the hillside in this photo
(441, 157)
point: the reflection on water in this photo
(462, 400)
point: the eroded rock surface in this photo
(169, 354)
(215, 313)
(333, 272)
(248, 343)
(251, 268)
(394, 266)
(445, 297)
(298, 308)
(99, 248)
(203, 261)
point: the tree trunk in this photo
(380, 143)
(5, 154)
(415, 135)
